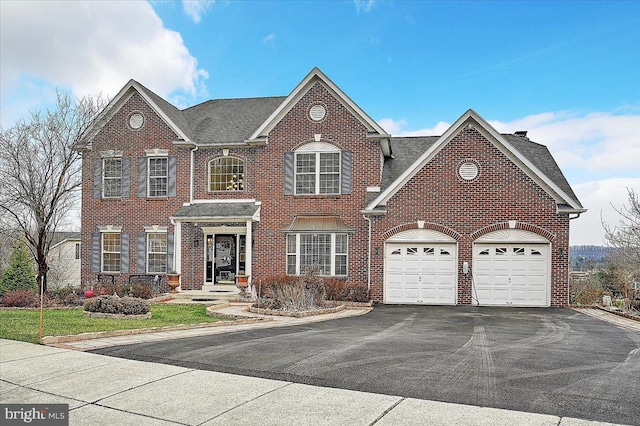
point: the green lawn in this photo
(23, 324)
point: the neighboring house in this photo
(266, 186)
(64, 260)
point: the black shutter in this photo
(142, 177)
(141, 253)
(95, 252)
(97, 177)
(171, 178)
(125, 191)
(346, 166)
(289, 159)
(124, 253)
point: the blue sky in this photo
(565, 71)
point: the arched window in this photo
(226, 174)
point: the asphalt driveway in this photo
(552, 361)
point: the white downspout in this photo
(368, 219)
(191, 176)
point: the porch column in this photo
(177, 247)
(247, 264)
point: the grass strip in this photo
(23, 324)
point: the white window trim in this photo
(103, 232)
(333, 254)
(154, 157)
(104, 160)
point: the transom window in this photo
(226, 174)
(157, 252)
(158, 176)
(317, 169)
(111, 177)
(327, 252)
(111, 252)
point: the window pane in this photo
(227, 174)
(112, 177)
(291, 264)
(305, 163)
(305, 184)
(341, 264)
(157, 252)
(341, 244)
(330, 162)
(315, 251)
(330, 184)
(111, 252)
(158, 177)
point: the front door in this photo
(225, 259)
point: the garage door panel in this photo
(425, 272)
(511, 274)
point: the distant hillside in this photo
(584, 253)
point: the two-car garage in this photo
(509, 268)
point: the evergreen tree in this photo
(19, 274)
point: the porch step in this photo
(209, 294)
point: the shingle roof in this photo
(540, 156)
(219, 121)
(217, 210)
(229, 120)
(406, 150)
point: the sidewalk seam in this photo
(246, 402)
(386, 412)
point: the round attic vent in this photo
(317, 112)
(136, 121)
(468, 171)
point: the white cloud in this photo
(90, 48)
(600, 197)
(364, 5)
(596, 142)
(195, 9)
(396, 128)
(271, 38)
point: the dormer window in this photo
(226, 174)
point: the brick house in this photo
(263, 186)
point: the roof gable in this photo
(553, 182)
(172, 116)
(300, 90)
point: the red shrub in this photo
(21, 299)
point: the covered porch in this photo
(213, 243)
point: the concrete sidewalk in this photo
(102, 390)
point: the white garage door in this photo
(420, 273)
(511, 274)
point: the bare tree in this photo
(40, 172)
(625, 238)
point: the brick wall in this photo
(131, 213)
(501, 192)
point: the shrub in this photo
(21, 299)
(117, 305)
(142, 291)
(19, 274)
(64, 296)
(344, 291)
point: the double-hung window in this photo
(326, 252)
(111, 177)
(317, 172)
(111, 249)
(158, 176)
(157, 252)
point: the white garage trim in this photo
(515, 271)
(420, 267)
